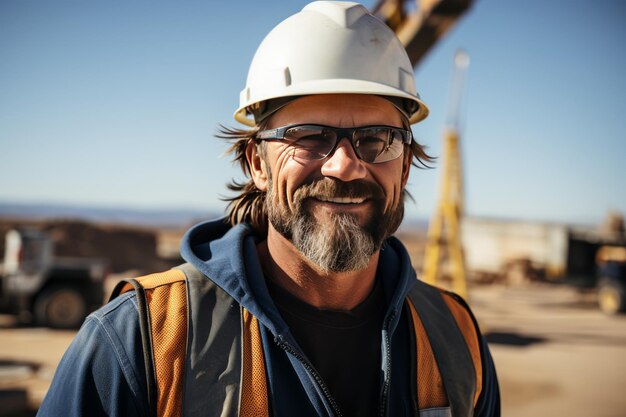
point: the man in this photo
(302, 304)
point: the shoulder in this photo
(440, 301)
(457, 306)
(115, 326)
(104, 357)
(117, 322)
(487, 397)
(434, 304)
(463, 315)
(468, 326)
(120, 305)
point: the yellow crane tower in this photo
(444, 252)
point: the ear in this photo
(258, 169)
(407, 157)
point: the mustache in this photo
(328, 187)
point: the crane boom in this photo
(420, 23)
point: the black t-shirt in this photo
(343, 346)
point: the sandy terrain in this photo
(556, 354)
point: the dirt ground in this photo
(556, 355)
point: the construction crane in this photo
(420, 23)
(444, 232)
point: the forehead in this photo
(339, 110)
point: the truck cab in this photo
(42, 289)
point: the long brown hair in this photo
(247, 205)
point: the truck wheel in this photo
(60, 307)
(611, 298)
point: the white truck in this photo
(42, 289)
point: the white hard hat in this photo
(329, 47)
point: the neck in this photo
(289, 269)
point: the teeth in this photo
(343, 200)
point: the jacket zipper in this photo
(385, 390)
(307, 365)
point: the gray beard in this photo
(339, 244)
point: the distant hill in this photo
(137, 217)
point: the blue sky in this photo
(116, 103)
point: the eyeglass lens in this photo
(372, 145)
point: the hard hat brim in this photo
(331, 86)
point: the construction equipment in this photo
(444, 234)
(41, 288)
(419, 24)
(611, 276)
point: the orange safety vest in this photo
(449, 370)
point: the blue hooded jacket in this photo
(102, 372)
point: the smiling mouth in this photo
(342, 200)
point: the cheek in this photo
(287, 176)
(390, 179)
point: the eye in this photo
(310, 142)
(370, 147)
(372, 142)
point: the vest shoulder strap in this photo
(431, 313)
(162, 305)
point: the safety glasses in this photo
(372, 144)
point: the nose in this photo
(343, 163)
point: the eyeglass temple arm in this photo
(271, 134)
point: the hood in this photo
(227, 255)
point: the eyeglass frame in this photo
(347, 133)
